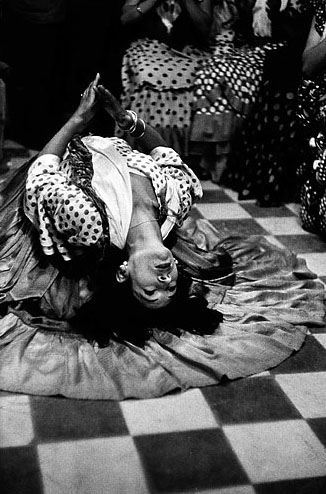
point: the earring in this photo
(125, 264)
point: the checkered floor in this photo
(265, 434)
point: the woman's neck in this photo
(144, 230)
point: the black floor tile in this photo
(315, 485)
(318, 425)
(310, 358)
(193, 460)
(257, 399)
(242, 227)
(302, 243)
(57, 419)
(19, 471)
(211, 196)
(259, 212)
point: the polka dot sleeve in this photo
(165, 168)
(62, 213)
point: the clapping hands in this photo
(96, 95)
(112, 106)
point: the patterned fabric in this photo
(65, 216)
(158, 71)
(312, 114)
(158, 84)
(267, 146)
(267, 151)
(61, 212)
(319, 8)
(265, 317)
(226, 87)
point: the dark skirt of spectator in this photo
(267, 150)
(245, 122)
(158, 84)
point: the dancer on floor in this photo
(66, 329)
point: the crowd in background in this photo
(218, 79)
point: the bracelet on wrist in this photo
(133, 124)
(139, 130)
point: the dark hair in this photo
(114, 313)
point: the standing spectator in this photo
(267, 148)
(169, 38)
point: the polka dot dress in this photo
(163, 166)
(158, 85)
(65, 216)
(267, 146)
(313, 170)
(226, 87)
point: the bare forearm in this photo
(147, 137)
(77, 123)
(151, 139)
(57, 145)
(127, 121)
(131, 15)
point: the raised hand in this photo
(113, 107)
(87, 106)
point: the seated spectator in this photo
(228, 90)
(267, 149)
(312, 113)
(168, 38)
(226, 87)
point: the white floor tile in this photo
(286, 225)
(16, 428)
(316, 262)
(294, 207)
(274, 241)
(208, 185)
(278, 450)
(307, 391)
(231, 193)
(181, 412)
(322, 340)
(223, 211)
(95, 466)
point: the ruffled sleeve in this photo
(61, 212)
(175, 184)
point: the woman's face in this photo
(153, 276)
